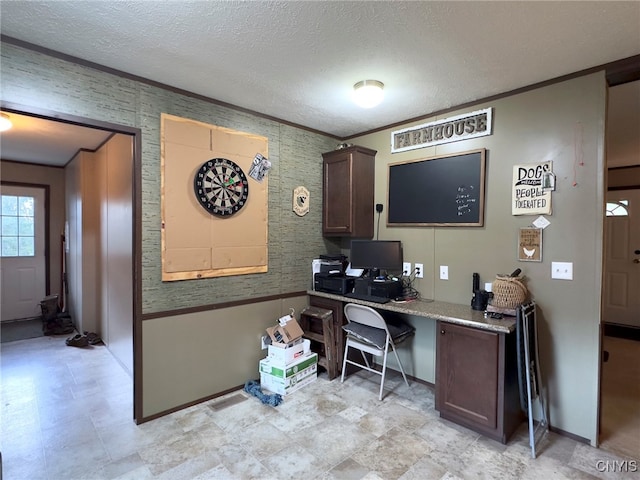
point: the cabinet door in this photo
(347, 194)
(468, 374)
(337, 194)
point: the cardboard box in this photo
(277, 385)
(285, 379)
(285, 334)
(277, 369)
(289, 354)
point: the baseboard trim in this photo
(572, 436)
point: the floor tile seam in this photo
(350, 457)
(621, 455)
(104, 443)
(326, 467)
(411, 428)
(397, 423)
(331, 465)
(467, 442)
(382, 472)
(230, 466)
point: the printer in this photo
(333, 283)
(327, 265)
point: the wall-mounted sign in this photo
(259, 167)
(452, 129)
(530, 245)
(300, 201)
(528, 195)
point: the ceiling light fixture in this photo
(5, 122)
(368, 93)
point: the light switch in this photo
(444, 272)
(562, 270)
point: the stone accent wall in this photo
(40, 81)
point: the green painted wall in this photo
(563, 123)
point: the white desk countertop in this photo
(437, 310)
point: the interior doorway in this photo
(125, 334)
(619, 407)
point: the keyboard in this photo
(367, 298)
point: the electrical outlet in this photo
(419, 270)
(444, 272)
(406, 269)
(562, 270)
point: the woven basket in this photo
(508, 292)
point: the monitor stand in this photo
(374, 273)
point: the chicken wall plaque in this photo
(530, 244)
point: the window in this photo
(618, 208)
(17, 226)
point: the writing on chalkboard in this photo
(465, 198)
(439, 191)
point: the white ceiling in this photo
(298, 60)
(35, 140)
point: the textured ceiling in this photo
(298, 60)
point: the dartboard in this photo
(221, 187)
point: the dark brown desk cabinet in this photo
(477, 379)
(347, 192)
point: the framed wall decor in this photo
(300, 201)
(530, 244)
(530, 195)
(447, 190)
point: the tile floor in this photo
(620, 397)
(67, 414)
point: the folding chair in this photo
(368, 332)
(529, 372)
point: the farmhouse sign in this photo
(452, 129)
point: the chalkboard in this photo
(440, 191)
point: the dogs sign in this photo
(530, 196)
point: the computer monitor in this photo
(376, 255)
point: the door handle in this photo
(635, 260)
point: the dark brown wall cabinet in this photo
(347, 200)
(476, 380)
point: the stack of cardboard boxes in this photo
(290, 364)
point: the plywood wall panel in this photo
(197, 243)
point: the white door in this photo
(22, 251)
(622, 268)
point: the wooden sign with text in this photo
(530, 245)
(452, 129)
